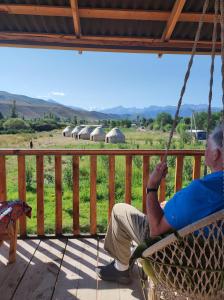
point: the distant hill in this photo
(32, 108)
(153, 111)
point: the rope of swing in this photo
(214, 38)
(222, 54)
(197, 36)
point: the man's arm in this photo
(157, 221)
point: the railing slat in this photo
(58, 195)
(197, 167)
(111, 184)
(145, 176)
(162, 189)
(3, 190)
(40, 193)
(179, 172)
(22, 190)
(128, 179)
(93, 176)
(75, 166)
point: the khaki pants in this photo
(127, 224)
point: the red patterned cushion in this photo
(10, 211)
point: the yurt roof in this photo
(86, 130)
(77, 129)
(115, 132)
(98, 131)
(68, 128)
(107, 25)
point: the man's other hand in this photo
(156, 176)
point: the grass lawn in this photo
(54, 140)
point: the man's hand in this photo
(156, 176)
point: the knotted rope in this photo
(197, 36)
(222, 52)
(214, 38)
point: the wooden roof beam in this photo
(76, 18)
(101, 41)
(173, 19)
(93, 13)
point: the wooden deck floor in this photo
(60, 269)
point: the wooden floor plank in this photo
(132, 291)
(105, 290)
(87, 283)
(41, 275)
(68, 279)
(60, 269)
(77, 278)
(10, 275)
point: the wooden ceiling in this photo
(102, 25)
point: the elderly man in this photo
(201, 198)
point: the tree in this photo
(1, 116)
(13, 111)
(163, 119)
(75, 122)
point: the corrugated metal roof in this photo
(18, 28)
(159, 5)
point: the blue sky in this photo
(102, 80)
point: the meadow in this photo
(54, 140)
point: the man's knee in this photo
(120, 209)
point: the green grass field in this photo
(134, 140)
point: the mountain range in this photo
(32, 108)
(152, 111)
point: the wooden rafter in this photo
(116, 14)
(173, 19)
(76, 18)
(69, 40)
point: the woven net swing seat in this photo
(188, 264)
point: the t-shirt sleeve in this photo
(178, 209)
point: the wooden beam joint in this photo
(76, 17)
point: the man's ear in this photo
(216, 154)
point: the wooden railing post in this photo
(197, 167)
(40, 194)
(128, 179)
(75, 167)
(162, 189)
(3, 193)
(179, 172)
(93, 176)
(22, 190)
(145, 176)
(111, 180)
(58, 195)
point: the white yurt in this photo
(98, 134)
(115, 136)
(76, 131)
(84, 134)
(67, 131)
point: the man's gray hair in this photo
(217, 135)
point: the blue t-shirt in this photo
(198, 200)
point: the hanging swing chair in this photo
(189, 264)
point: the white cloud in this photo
(58, 94)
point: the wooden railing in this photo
(93, 154)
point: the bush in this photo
(29, 179)
(15, 124)
(68, 177)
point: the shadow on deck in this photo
(60, 269)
